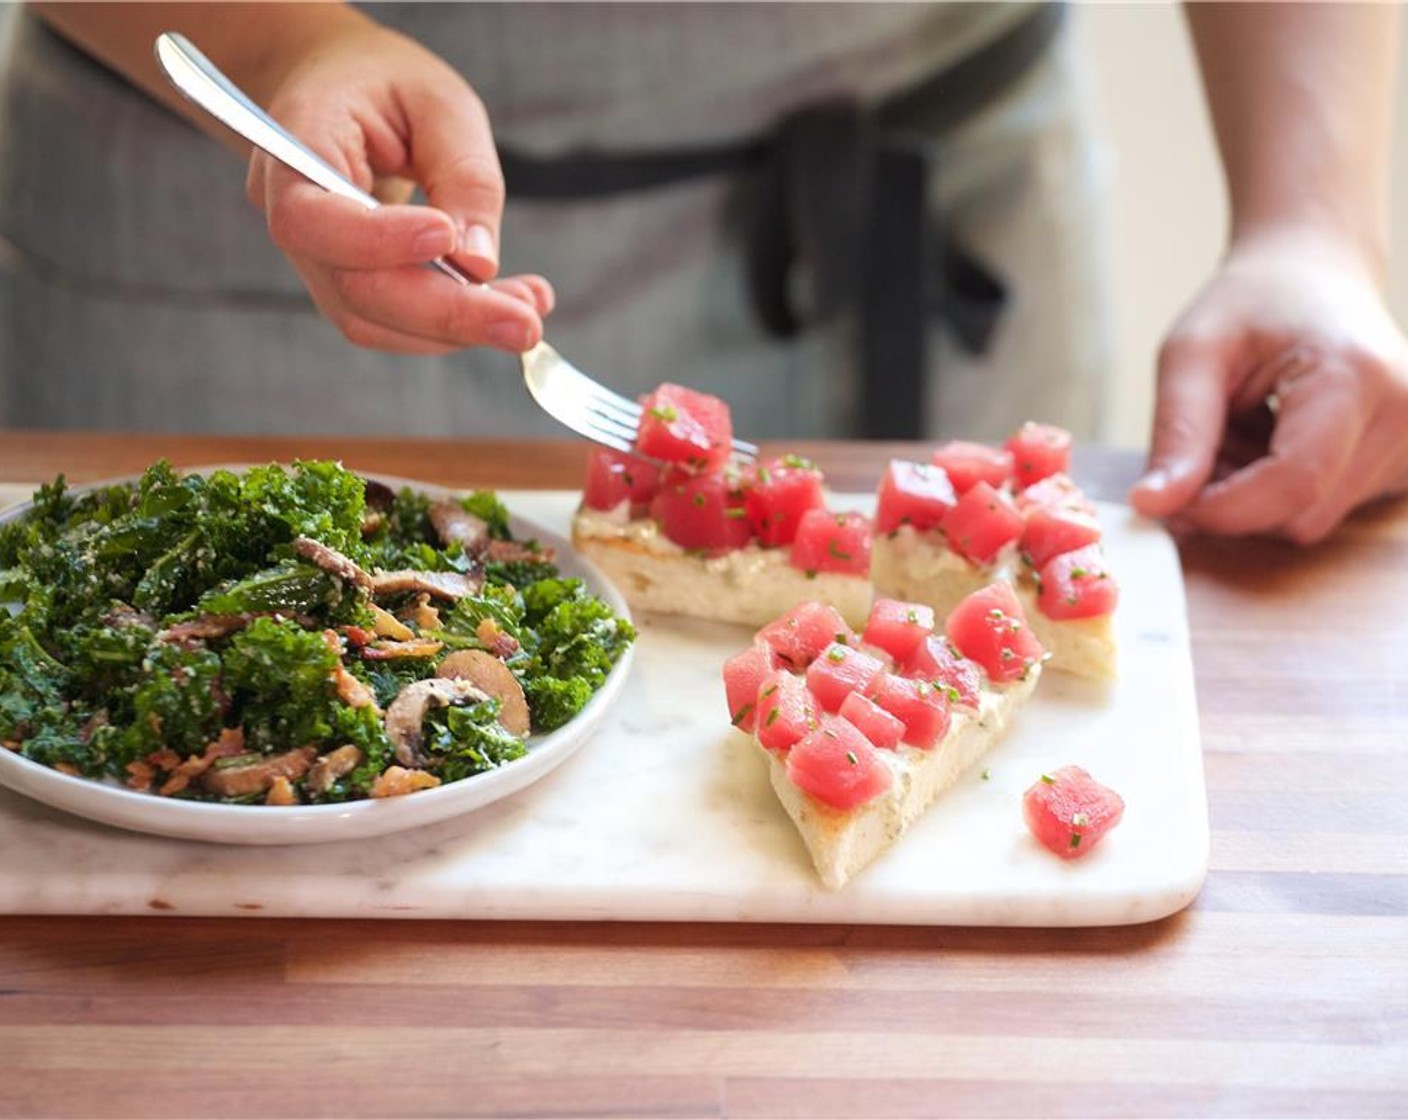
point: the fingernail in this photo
(433, 241)
(510, 334)
(477, 241)
(1155, 481)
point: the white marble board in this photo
(666, 814)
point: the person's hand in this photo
(1282, 397)
(390, 115)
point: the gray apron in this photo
(138, 291)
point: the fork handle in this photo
(206, 85)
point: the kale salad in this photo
(285, 635)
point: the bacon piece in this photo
(141, 776)
(396, 781)
(206, 627)
(395, 651)
(351, 691)
(229, 744)
(495, 639)
(163, 758)
(258, 776)
(357, 636)
(281, 793)
(209, 627)
(387, 625)
(328, 768)
(424, 615)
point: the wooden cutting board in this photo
(666, 814)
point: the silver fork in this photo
(588, 407)
(565, 393)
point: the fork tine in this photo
(615, 404)
(615, 427)
(589, 408)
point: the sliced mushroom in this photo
(443, 585)
(378, 495)
(406, 714)
(454, 523)
(508, 552)
(328, 768)
(490, 674)
(206, 627)
(379, 500)
(332, 562)
(258, 776)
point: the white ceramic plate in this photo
(307, 824)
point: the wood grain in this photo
(1283, 990)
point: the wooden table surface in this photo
(1283, 990)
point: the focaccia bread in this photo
(682, 530)
(863, 732)
(975, 514)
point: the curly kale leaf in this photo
(579, 639)
(320, 500)
(31, 681)
(290, 587)
(520, 573)
(106, 656)
(179, 703)
(553, 702)
(503, 605)
(469, 739)
(486, 506)
(362, 728)
(280, 680)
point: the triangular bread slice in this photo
(842, 842)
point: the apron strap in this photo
(840, 219)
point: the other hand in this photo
(1282, 398)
